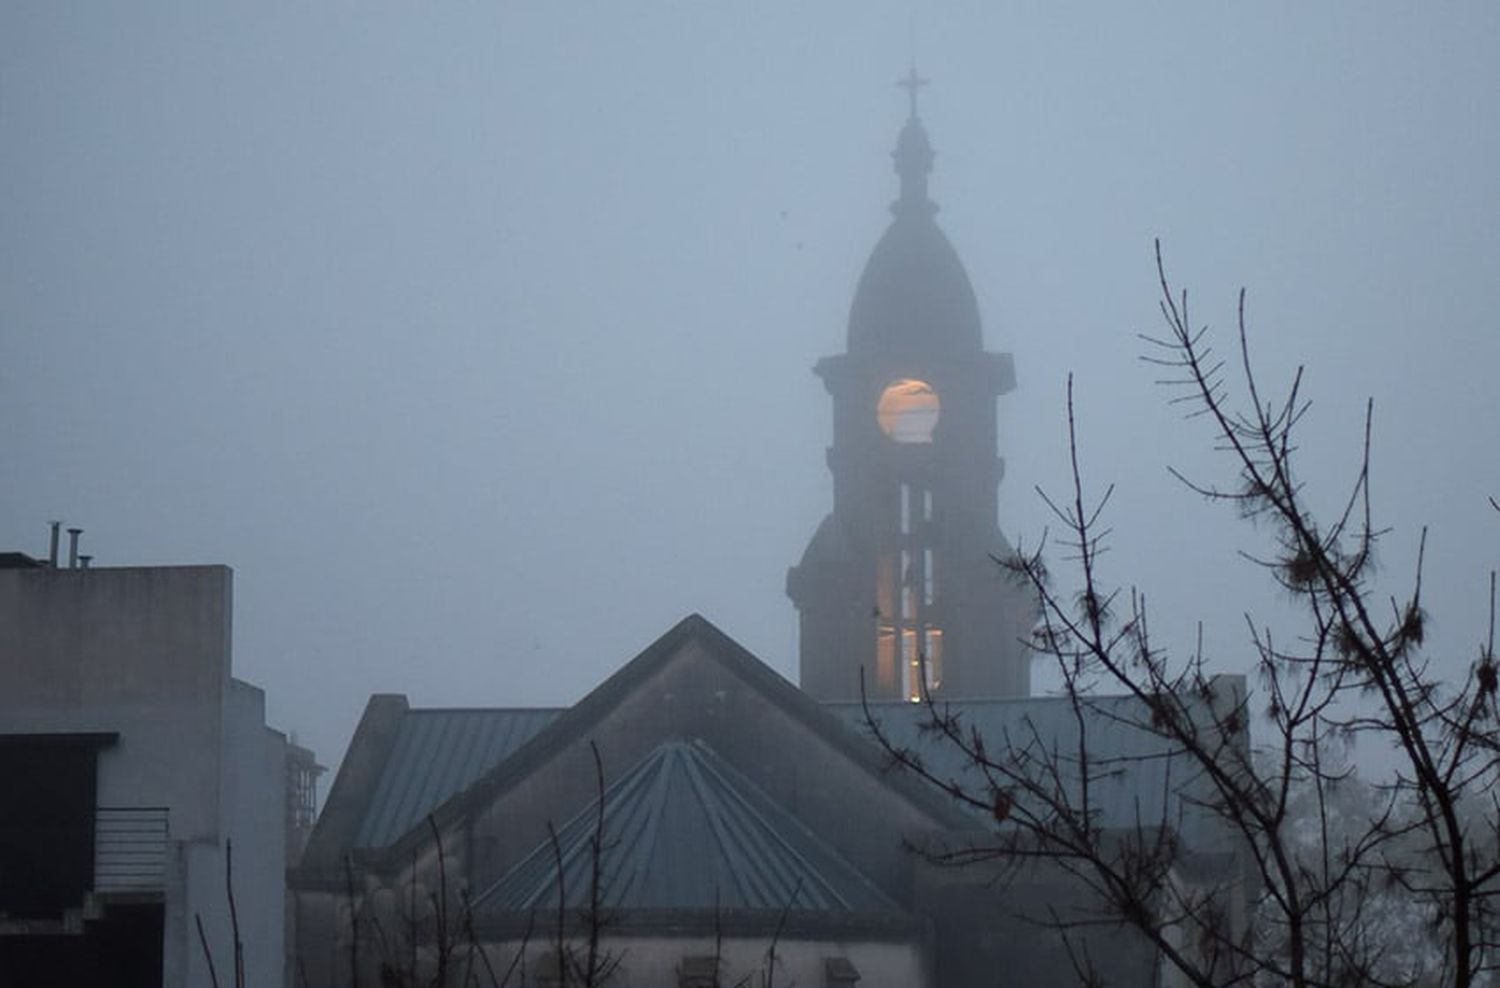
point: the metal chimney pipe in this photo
(73, 534)
(52, 550)
(83, 561)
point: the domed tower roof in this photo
(914, 294)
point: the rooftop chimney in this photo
(52, 551)
(73, 534)
(83, 561)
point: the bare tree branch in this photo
(1330, 867)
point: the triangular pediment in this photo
(693, 685)
(684, 830)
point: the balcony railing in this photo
(130, 848)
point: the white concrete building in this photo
(131, 760)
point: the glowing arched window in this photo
(908, 410)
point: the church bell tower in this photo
(900, 580)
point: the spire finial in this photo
(911, 83)
(913, 154)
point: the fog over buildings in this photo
(477, 339)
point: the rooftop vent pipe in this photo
(73, 534)
(52, 550)
(83, 561)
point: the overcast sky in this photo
(477, 337)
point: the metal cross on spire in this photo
(911, 84)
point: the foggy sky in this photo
(477, 337)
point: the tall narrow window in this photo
(934, 658)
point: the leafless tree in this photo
(414, 933)
(590, 964)
(1300, 899)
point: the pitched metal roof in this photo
(572, 725)
(684, 830)
(436, 754)
(1138, 777)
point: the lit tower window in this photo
(908, 410)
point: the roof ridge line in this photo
(657, 799)
(724, 770)
(716, 826)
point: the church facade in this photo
(697, 820)
(899, 588)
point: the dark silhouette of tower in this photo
(904, 567)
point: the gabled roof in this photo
(684, 830)
(577, 722)
(405, 764)
(436, 754)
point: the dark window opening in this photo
(47, 822)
